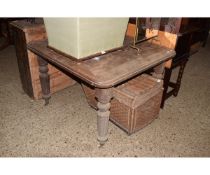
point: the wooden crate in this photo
(24, 32)
(135, 103)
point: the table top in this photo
(110, 69)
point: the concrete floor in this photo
(67, 126)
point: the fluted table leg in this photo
(104, 97)
(44, 79)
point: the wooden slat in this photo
(171, 84)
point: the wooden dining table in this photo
(102, 72)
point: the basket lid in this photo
(140, 85)
(138, 90)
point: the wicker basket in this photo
(136, 103)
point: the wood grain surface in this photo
(110, 69)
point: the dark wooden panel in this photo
(22, 59)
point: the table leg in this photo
(44, 79)
(159, 71)
(104, 97)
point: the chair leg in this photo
(166, 80)
(179, 78)
(7, 41)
